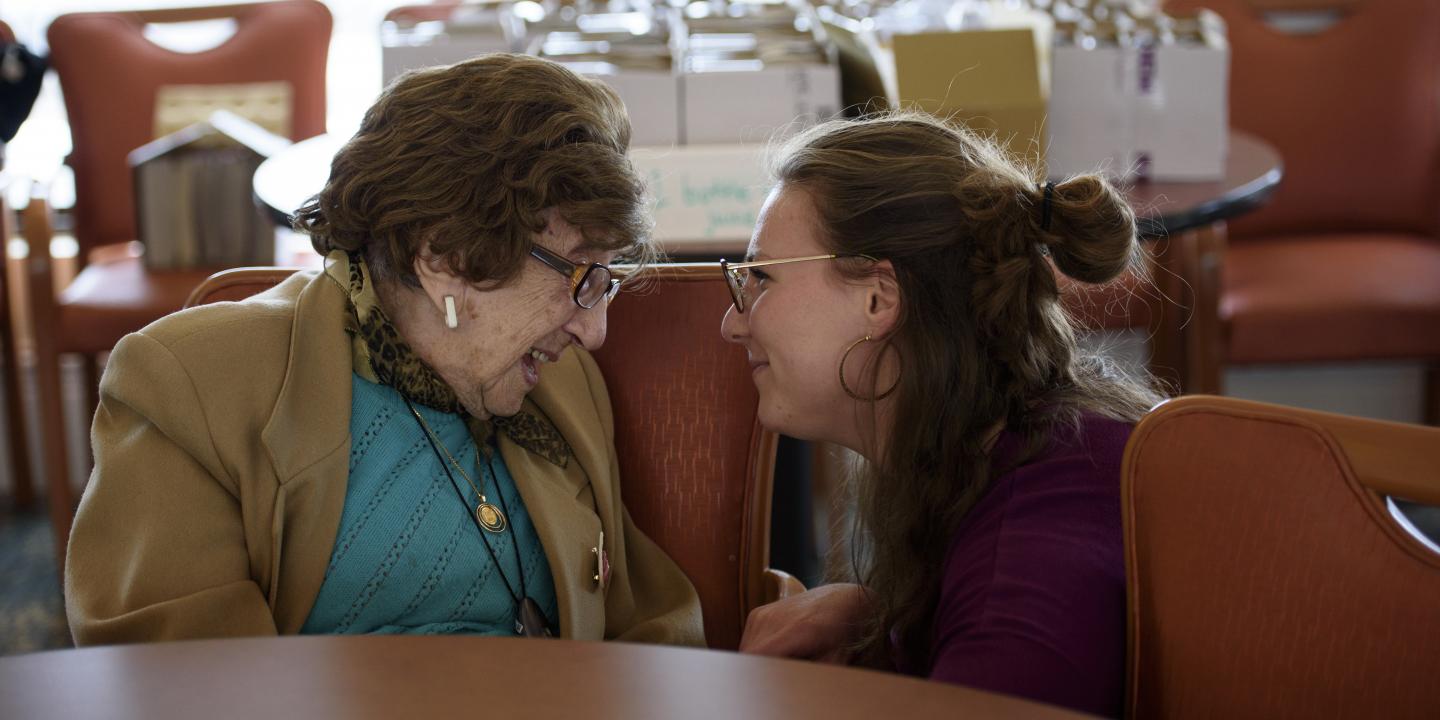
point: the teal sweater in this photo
(407, 557)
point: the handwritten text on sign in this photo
(704, 194)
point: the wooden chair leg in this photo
(90, 398)
(11, 280)
(15, 419)
(57, 463)
(1432, 394)
(45, 316)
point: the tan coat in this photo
(222, 445)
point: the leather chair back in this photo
(1353, 109)
(111, 74)
(1267, 578)
(696, 468)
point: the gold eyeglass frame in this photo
(736, 284)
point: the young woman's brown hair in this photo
(982, 339)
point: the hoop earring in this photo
(451, 320)
(844, 386)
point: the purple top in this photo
(1032, 602)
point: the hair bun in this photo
(1091, 231)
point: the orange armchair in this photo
(1344, 263)
(697, 467)
(1267, 577)
(111, 76)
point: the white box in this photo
(706, 197)
(1090, 125)
(1182, 112)
(752, 106)
(651, 97)
(434, 43)
(1141, 108)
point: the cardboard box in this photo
(1182, 112)
(754, 106)
(1151, 105)
(631, 53)
(861, 85)
(651, 97)
(433, 43)
(1091, 125)
(995, 80)
(755, 73)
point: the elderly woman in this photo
(901, 301)
(414, 440)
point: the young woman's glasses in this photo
(737, 275)
(589, 284)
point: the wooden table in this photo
(422, 677)
(1184, 222)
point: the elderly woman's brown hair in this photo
(468, 158)
(982, 338)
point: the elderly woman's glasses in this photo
(589, 284)
(737, 275)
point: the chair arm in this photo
(780, 585)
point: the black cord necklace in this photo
(529, 619)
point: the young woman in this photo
(900, 300)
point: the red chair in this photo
(1344, 263)
(1266, 575)
(697, 467)
(110, 75)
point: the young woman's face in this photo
(799, 319)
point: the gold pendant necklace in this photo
(530, 621)
(490, 516)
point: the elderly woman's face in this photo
(506, 335)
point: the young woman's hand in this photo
(818, 624)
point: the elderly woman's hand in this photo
(818, 624)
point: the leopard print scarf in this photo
(380, 355)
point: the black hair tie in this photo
(1045, 206)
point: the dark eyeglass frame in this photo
(737, 284)
(579, 275)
